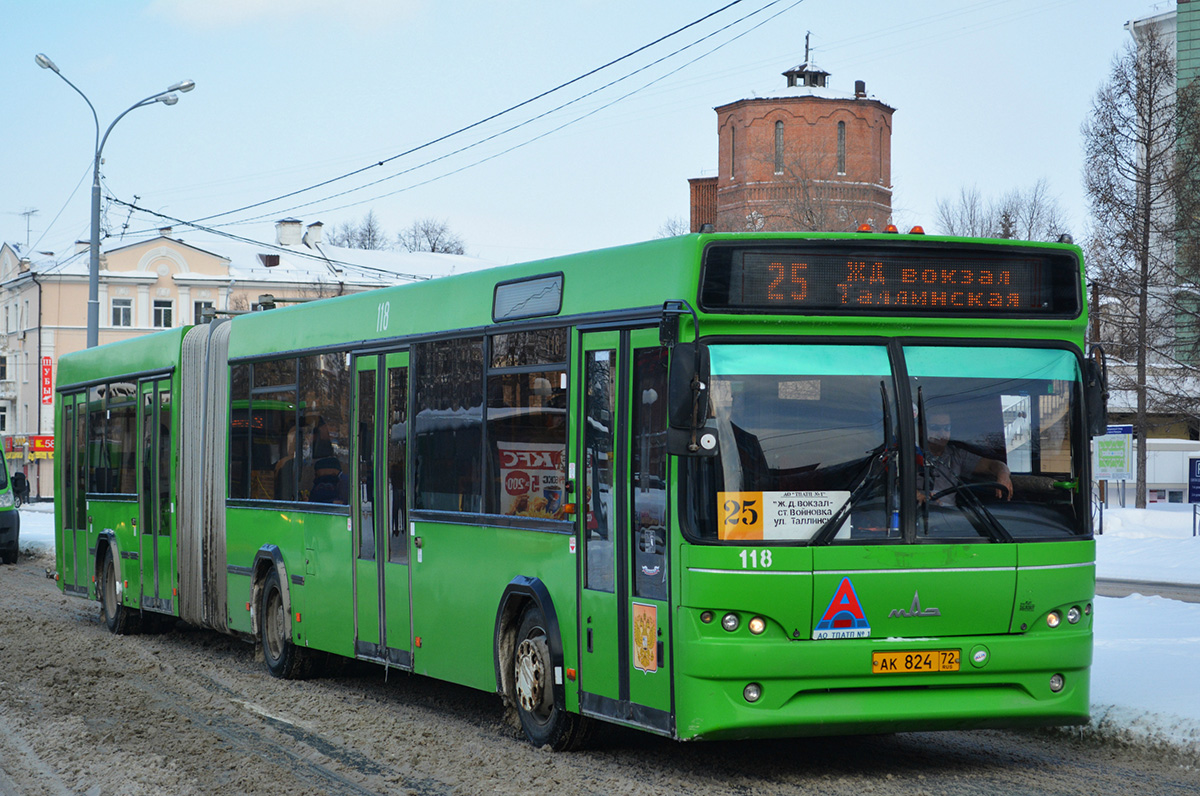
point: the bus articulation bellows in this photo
(716, 486)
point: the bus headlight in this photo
(730, 622)
(706, 617)
(757, 625)
(1054, 619)
(6, 499)
(752, 692)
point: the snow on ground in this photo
(1145, 687)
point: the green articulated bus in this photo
(714, 486)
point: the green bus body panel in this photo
(991, 599)
(144, 354)
(117, 516)
(368, 609)
(715, 579)
(843, 696)
(457, 581)
(316, 552)
(972, 586)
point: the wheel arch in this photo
(519, 594)
(104, 542)
(268, 558)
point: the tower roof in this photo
(806, 74)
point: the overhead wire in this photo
(322, 258)
(480, 122)
(538, 117)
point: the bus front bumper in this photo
(828, 688)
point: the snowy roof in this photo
(820, 92)
(296, 263)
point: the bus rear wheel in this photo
(283, 658)
(120, 620)
(544, 723)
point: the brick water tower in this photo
(806, 158)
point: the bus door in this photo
(74, 541)
(624, 622)
(156, 502)
(383, 620)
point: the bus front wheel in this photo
(544, 723)
(120, 620)
(283, 658)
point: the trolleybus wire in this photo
(485, 120)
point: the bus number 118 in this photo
(756, 559)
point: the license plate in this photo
(915, 661)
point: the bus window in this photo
(274, 417)
(600, 417)
(527, 435)
(448, 425)
(803, 435)
(397, 450)
(239, 431)
(97, 446)
(122, 445)
(366, 465)
(648, 473)
(527, 424)
(80, 475)
(164, 458)
(996, 417)
(324, 406)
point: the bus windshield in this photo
(809, 439)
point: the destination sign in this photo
(920, 282)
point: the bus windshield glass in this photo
(809, 440)
(996, 450)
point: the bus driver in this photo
(948, 464)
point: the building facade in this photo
(154, 284)
(806, 157)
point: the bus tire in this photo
(121, 620)
(283, 658)
(544, 723)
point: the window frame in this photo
(160, 310)
(125, 305)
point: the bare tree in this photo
(1021, 214)
(1140, 142)
(367, 234)
(370, 233)
(430, 235)
(342, 235)
(969, 216)
(675, 225)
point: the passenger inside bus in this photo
(949, 465)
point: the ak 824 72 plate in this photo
(915, 661)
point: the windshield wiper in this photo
(876, 469)
(961, 487)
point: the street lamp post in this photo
(168, 97)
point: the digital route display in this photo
(924, 281)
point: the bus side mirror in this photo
(688, 402)
(1095, 392)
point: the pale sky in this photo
(292, 93)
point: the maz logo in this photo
(915, 609)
